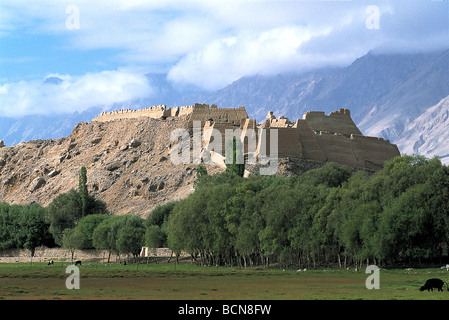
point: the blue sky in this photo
(103, 49)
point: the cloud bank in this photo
(73, 93)
(205, 43)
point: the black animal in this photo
(433, 283)
(78, 263)
(50, 262)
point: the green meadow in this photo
(163, 281)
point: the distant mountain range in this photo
(400, 97)
(428, 135)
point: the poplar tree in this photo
(82, 190)
(237, 149)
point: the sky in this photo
(103, 49)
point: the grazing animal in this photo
(78, 262)
(50, 262)
(433, 283)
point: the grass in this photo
(36, 281)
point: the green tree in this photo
(83, 192)
(155, 237)
(33, 230)
(86, 227)
(201, 172)
(176, 240)
(237, 164)
(437, 187)
(330, 175)
(105, 235)
(72, 239)
(156, 225)
(7, 226)
(66, 210)
(130, 235)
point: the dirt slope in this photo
(128, 166)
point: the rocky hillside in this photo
(128, 166)
(428, 134)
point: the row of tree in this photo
(323, 217)
(76, 220)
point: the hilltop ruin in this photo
(316, 137)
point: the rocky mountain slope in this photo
(428, 135)
(128, 166)
(372, 85)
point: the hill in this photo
(124, 160)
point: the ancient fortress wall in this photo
(317, 136)
(196, 112)
(203, 113)
(329, 138)
(152, 112)
(336, 122)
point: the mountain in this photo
(428, 134)
(408, 99)
(386, 93)
(370, 85)
(14, 131)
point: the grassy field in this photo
(38, 281)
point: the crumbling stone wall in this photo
(152, 112)
(332, 138)
(204, 112)
(196, 112)
(316, 137)
(336, 122)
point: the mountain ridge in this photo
(385, 93)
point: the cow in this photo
(433, 283)
(50, 262)
(78, 262)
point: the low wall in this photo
(43, 254)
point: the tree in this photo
(33, 230)
(437, 188)
(86, 227)
(156, 225)
(64, 212)
(130, 235)
(24, 226)
(155, 237)
(237, 164)
(331, 175)
(104, 235)
(7, 226)
(159, 216)
(405, 226)
(67, 209)
(72, 239)
(201, 172)
(82, 189)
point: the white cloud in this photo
(74, 93)
(214, 42)
(228, 59)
